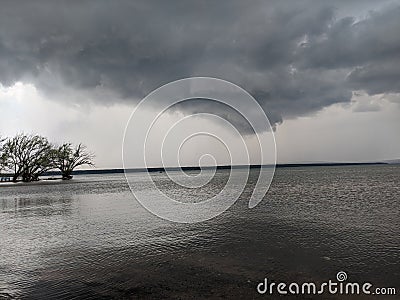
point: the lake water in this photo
(89, 238)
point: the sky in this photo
(326, 73)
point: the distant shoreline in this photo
(225, 167)
(52, 179)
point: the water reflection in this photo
(44, 206)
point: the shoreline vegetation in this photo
(27, 157)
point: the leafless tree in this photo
(1, 154)
(28, 156)
(69, 157)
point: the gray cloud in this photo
(294, 57)
(369, 48)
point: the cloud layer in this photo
(294, 57)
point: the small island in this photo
(26, 157)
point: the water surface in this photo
(89, 238)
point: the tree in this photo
(28, 156)
(1, 154)
(69, 157)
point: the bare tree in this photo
(1, 154)
(28, 156)
(69, 157)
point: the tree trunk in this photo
(26, 177)
(67, 175)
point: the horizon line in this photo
(219, 167)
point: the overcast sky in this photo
(326, 73)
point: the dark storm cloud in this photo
(295, 57)
(370, 48)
